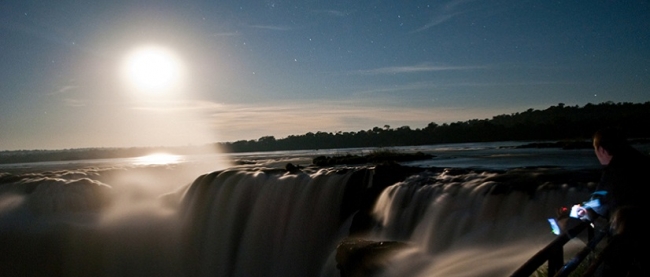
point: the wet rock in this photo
(358, 257)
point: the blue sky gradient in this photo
(257, 68)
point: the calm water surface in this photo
(493, 155)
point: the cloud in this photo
(444, 13)
(444, 85)
(402, 87)
(74, 102)
(299, 118)
(225, 34)
(271, 27)
(414, 69)
(334, 13)
(436, 20)
(176, 105)
(236, 122)
(64, 89)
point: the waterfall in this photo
(263, 223)
(461, 225)
(274, 222)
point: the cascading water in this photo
(276, 222)
(258, 223)
(463, 225)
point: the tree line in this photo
(560, 122)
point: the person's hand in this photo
(580, 212)
(583, 214)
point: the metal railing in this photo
(553, 253)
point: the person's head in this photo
(626, 220)
(607, 143)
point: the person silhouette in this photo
(622, 180)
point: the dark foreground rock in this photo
(358, 257)
(373, 158)
(566, 145)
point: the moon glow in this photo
(152, 69)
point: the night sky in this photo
(241, 70)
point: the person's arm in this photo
(597, 206)
(599, 203)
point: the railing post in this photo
(555, 259)
(571, 265)
(549, 254)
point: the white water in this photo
(252, 223)
(247, 222)
(458, 228)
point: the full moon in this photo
(152, 69)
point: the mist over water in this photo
(97, 219)
(178, 219)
